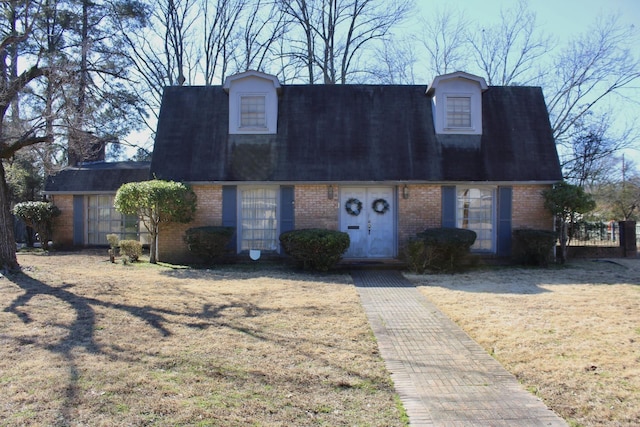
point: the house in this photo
(380, 162)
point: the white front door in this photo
(367, 215)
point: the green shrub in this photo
(315, 248)
(533, 247)
(440, 249)
(131, 249)
(39, 216)
(209, 243)
(416, 255)
(113, 240)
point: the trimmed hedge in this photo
(315, 248)
(440, 249)
(39, 216)
(533, 247)
(210, 242)
(131, 249)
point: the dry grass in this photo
(571, 335)
(86, 342)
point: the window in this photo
(103, 219)
(253, 111)
(474, 211)
(258, 219)
(458, 112)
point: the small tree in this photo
(39, 216)
(565, 201)
(155, 202)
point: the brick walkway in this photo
(442, 376)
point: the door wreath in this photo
(380, 206)
(353, 207)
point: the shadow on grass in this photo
(86, 314)
(81, 330)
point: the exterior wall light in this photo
(405, 192)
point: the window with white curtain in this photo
(475, 211)
(258, 219)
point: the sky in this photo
(560, 18)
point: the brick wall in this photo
(528, 208)
(422, 209)
(313, 208)
(63, 225)
(171, 246)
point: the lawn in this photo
(571, 335)
(87, 342)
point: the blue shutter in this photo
(230, 209)
(504, 221)
(78, 220)
(448, 206)
(287, 209)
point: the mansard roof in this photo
(354, 133)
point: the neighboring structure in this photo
(378, 162)
(85, 194)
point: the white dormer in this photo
(253, 103)
(457, 99)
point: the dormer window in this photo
(253, 114)
(457, 102)
(458, 112)
(253, 103)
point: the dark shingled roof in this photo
(354, 133)
(97, 177)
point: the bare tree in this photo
(585, 156)
(591, 68)
(618, 196)
(395, 62)
(335, 34)
(261, 28)
(302, 48)
(445, 38)
(509, 52)
(163, 49)
(220, 22)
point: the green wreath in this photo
(351, 210)
(380, 206)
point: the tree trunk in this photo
(563, 241)
(153, 246)
(8, 259)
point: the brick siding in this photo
(314, 209)
(422, 209)
(63, 224)
(171, 246)
(528, 209)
